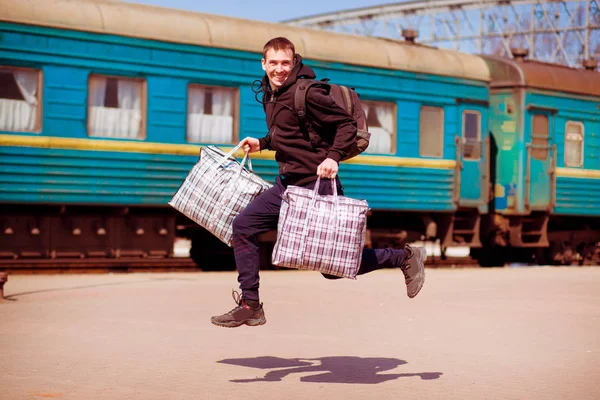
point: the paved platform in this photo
(507, 333)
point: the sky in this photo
(265, 10)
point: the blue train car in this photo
(104, 106)
(545, 122)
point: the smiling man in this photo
(300, 163)
(278, 64)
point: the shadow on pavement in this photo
(327, 369)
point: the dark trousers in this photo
(262, 215)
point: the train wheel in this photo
(490, 256)
(542, 256)
(210, 254)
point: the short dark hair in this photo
(279, 43)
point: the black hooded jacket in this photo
(297, 158)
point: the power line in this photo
(564, 32)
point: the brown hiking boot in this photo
(240, 315)
(414, 270)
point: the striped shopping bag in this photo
(320, 233)
(216, 190)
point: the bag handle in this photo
(226, 195)
(333, 226)
(316, 191)
(234, 181)
(336, 207)
(232, 154)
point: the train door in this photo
(539, 161)
(472, 154)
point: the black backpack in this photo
(347, 99)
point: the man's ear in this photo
(264, 67)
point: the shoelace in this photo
(237, 297)
(410, 252)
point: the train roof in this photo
(178, 26)
(539, 75)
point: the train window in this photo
(381, 120)
(20, 99)
(539, 137)
(431, 132)
(471, 135)
(574, 144)
(212, 114)
(116, 107)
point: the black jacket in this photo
(297, 158)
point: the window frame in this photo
(235, 110)
(464, 139)
(582, 133)
(39, 95)
(443, 133)
(393, 139)
(143, 105)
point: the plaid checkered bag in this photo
(320, 233)
(216, 190)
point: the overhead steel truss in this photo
(565, 32)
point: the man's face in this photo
(278, 64)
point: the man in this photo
(300, 163)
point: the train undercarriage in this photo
(86, 232)
(77, 232)
(539, 238)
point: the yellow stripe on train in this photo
(578, 173)
(190, 149)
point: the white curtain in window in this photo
(385, 115)
(123, 122)
(381, 137)
(196, 100)
(222, 102)
(222, 113)
(380, 141)
(27, 81)
(21, 115)
(129, 93)
(17, 115)
(210, 128)
(114, 122)
(97, 91)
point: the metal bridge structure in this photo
(564, 32)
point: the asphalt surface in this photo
(504, 333)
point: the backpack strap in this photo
(348, 99)
(300, 106)
(300, 97)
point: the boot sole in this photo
(424, 254)
(235, 324)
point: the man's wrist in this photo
(335, 156)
